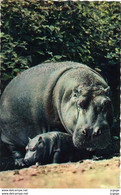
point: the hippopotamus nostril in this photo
(86, 132)
(97, 131)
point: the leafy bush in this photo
(39, 31)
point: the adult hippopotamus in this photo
(66, 97)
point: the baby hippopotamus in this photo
(51, 147)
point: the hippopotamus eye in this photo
(82, 105)
(32, 149)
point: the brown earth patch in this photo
(85, 174)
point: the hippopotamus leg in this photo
(18, 152)
(56, 157)
(18, 155)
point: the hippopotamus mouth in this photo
(98, 139)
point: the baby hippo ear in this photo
(29, 139)
(41, 139)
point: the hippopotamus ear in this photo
(41, 139)
(29, 139)
(107, 90)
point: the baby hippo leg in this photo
(56, 157)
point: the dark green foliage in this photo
(37, 31)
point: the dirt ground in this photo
(83, 174)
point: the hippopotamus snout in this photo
(92, 138)
(27, 162)
(30, 158)
(93, 132)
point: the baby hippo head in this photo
(34, 150)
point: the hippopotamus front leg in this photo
(56, 157)
(18, 155)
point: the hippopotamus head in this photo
(87, 115)
(34, 150)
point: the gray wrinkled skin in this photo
(66, 97)
(51, 147)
